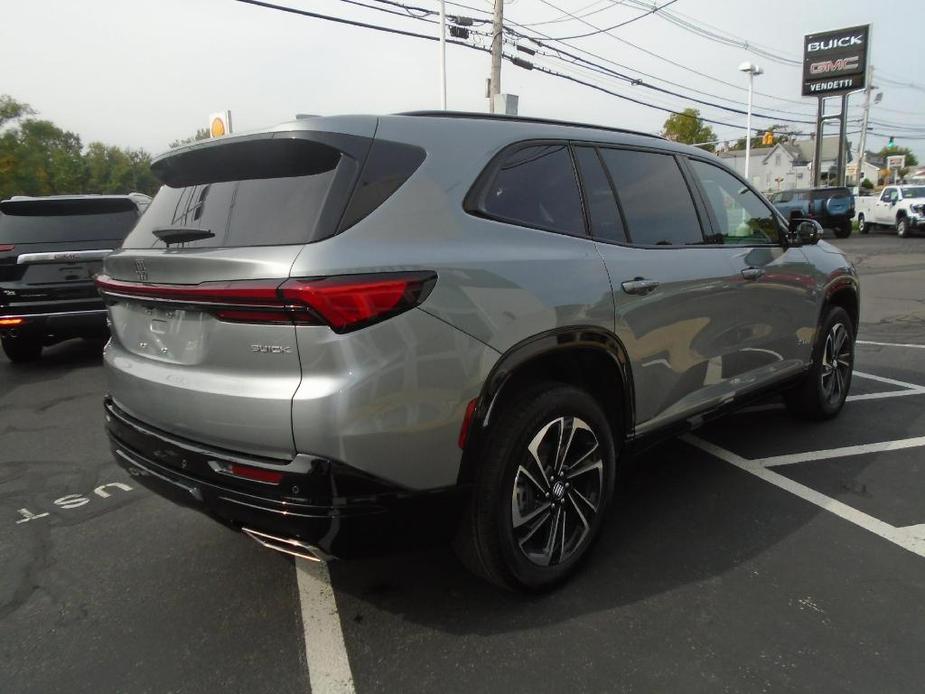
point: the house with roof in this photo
(785, 164)
(870, 169)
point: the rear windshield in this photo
(56, 221)
(243, 194)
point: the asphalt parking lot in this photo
(759, 554)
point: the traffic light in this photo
(890, 144)
(768, 138)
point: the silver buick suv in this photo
(348, 334)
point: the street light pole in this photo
(752, 70)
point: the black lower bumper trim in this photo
(340, 526)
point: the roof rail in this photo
(523, 119)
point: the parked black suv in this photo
(833, 208)
(50, 250)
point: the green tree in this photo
(39, 158)
(11, 110)
(688, 127)
(109, 169)
(911, 159)
(201, 134)
(867, 184)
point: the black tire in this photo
(22, 349)
(863, 226)
(843, 231)
(512, 489)
(822, 392)
(902, 227)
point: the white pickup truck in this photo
(899, 207)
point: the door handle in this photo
(752, 273)
(639, 286)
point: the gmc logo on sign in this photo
(825, 67)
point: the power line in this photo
(516, 61)
(805, 117)
(608, 5)
(351, 22)
(723, 37)
(703, 29)
(653, 10)
(511, 59)
(658, 57)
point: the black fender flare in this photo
(542, 344)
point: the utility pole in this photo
(443, 54)
(863, 152)
(494, 83)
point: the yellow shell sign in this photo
(220, 124)
(218, 127)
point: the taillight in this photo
(6, 247)
(354, 301)
(345, 302)
(11, 322)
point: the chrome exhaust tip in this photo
(286, 545)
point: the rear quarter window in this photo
(533, 186)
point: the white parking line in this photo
(843, 452)
(328, 666)
(889, 344)
(909, 538)
(885, 394)
(891, 381)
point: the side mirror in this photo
(804, 232)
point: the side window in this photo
(536, 187)
(742, 216)
(602, 206)
(786, 196)
(885, 195)
(656, 202)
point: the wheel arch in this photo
(589, 357)
(844, 293)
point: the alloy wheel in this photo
(558, 490)
(836, 364)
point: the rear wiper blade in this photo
(171, 235)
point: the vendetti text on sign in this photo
(835, 62)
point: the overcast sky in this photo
(141, 74)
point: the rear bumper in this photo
(323, 503)
(61, 324)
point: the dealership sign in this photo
(835, 62)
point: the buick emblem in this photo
(140, 270)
